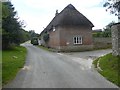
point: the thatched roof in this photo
(69, 16)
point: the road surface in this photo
(44, 69)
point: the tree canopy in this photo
(12, 32)
(113, 6)
(106, 31)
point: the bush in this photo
(46, 37)
(34, 41)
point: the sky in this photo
(37, 14)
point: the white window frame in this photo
(77, 40)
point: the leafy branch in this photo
(113, 6)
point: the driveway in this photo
(44, 69)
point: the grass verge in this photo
(12, 61)
(0, 69)
(110, 68)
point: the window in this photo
(77, 40)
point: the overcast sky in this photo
(38, 13)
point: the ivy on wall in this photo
(46, 37)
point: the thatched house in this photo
(68, 31)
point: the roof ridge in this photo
(69, 16)
(70, 6)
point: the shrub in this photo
(46, 37)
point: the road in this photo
(44, 69)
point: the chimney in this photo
(56, 13)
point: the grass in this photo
(110, 66)
(0, 56)
(95, 62)
(0, 68)
(12, 61)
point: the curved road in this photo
(44, 69)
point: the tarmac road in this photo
(44, 69)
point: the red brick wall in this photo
(64, 35)
(67, 34)
(54, 39)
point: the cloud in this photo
(38, 13)
(99, 17)
(49, 3)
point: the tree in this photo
(113, 6)
(10, 26)
(33, 34)
(107, 29)
(24, 36)
(110, 25)
(46, 37)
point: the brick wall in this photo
(54, 40)
(62, 39)
(67, 34)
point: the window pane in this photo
(75, 40)
(80, 40)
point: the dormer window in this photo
(53, 28)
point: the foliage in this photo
(24, 35)
(95, 62)
(33, 34)
(106, 31)
(0, 68)
(110, 25)
(12, 32)
(12, 61)
(97, 34)
(46, 37)
(34, 41)
(10, 25)
(5, 11)
(110, 66)
(113, 6)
